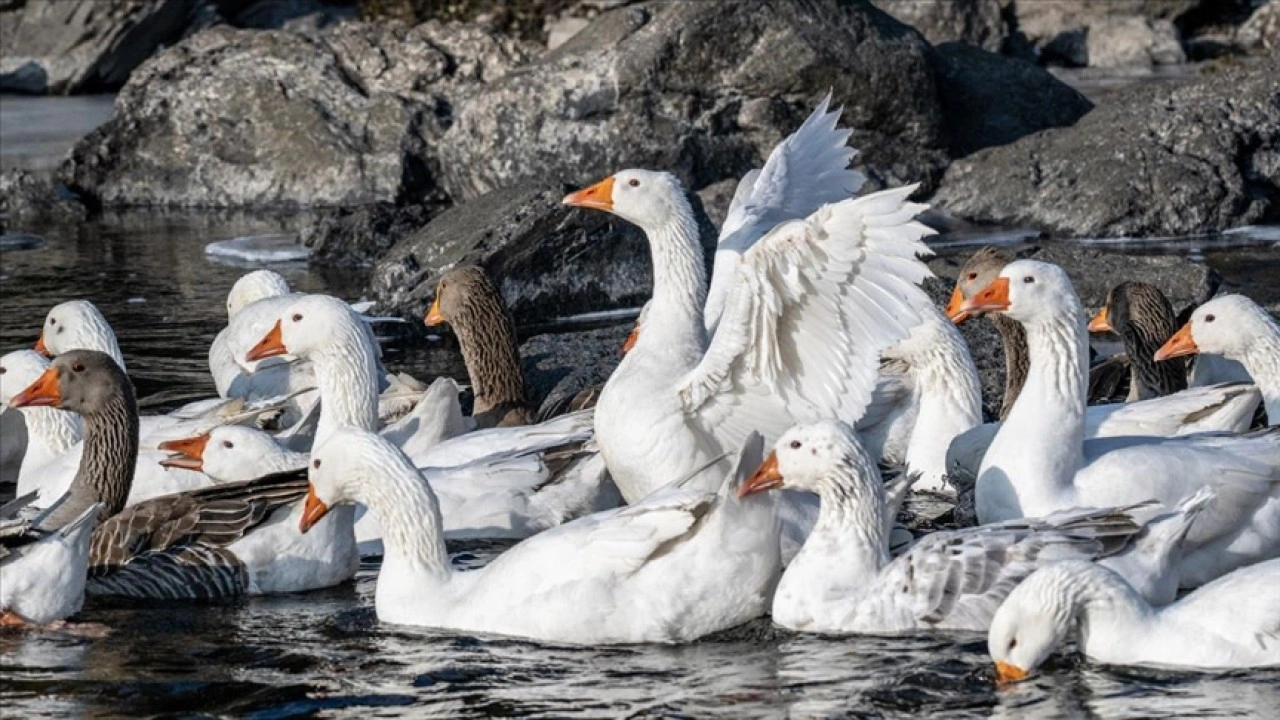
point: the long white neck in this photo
(407, 509)
(673, 320)
(50, 434)
(950, 400)
(347, 376)
(851, 532)
(1107, 609)
(1040, 445)
(1262, 360)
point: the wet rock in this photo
(560, 365)
(1124, 41)
(274, 119)
(1261, 32)
(975, 22)
(1058, 31)
(360, 235)
(549, 259)
(27, 201)
(991, 100)
(1166, 159)
(75, 46)
(699, 89)
(716, 199)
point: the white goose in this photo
(1232, 622)
(539, 464)
(678, 565)
(811, 307)
(1039, 462)
(42, 570)
(1234, 327)
(844, 581)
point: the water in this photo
(323, 653)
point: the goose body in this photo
(1037, 463)
(42, 567)
(844, 580)
(671, 568)
(1232, 622)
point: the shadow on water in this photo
(323, 654)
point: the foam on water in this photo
(259, 249)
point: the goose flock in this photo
(747, 458)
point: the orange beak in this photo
(272, 345)
(992, 298)
(765, 478)
(1180, 344)
(312, 510)
(190, 452)
(1101, 322)
(1006, 673)
(44, 392)
(434, 316)
(631, 339)
(598, 196)
(41, 347)
(954, 310)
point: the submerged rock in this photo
(275, 119)
(1198, 156)
(548, 259)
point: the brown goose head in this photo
(978, 272)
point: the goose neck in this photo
(1262, 361)
(1104, 605)
(488, 339)
(409, 513)
(851, 516)
(347, 377)
(1153, 379)
(110, 453)
(1049, 413)
(54, 429)
(1017, 363)
(674, 316)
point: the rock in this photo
(976, 22)
(992, 100)
(548, 259)
(77, 46)
(28, 201)
(291, 15)
(274, 119)
(360, 235)
(699, 89)
(1175, 158)
(716, 199)
(562, 29)
(1058, 30)
(1262, 30)
(1123, 41)
(559, 366)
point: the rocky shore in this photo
(424, 134)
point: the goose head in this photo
(1227, 326)
(1134, 308)
(18, 370)
(255, 286)
(230, 453)
(306, 328)
(644, 197)
(1031, 622)
(338, 468)
(82, 381)
(805, 457)
(977, 273)
(1026, 291)
(76, 325)
(461, 292)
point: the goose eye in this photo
(228, 444)
(1208, 318)
(1013, 643)
(973, 276)
(53, 321)
(3, 370)
(297, 317)
(1028, 279)
(78, 367)
(316, 463)
(633, 182)
(796, 444)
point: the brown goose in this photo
(473, 307)
(1141, 315)
(219, 542)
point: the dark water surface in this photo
(323, 654)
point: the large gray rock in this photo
(1261, 32)
(990, 100)
(1132, 41)
(701, 89)
(1166, 159)
(274, 119)
(560, 365)
(976, 22)
(73, 46)
(548, 259)
(29, 202)
(1058, 30)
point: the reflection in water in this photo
(323, 652)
